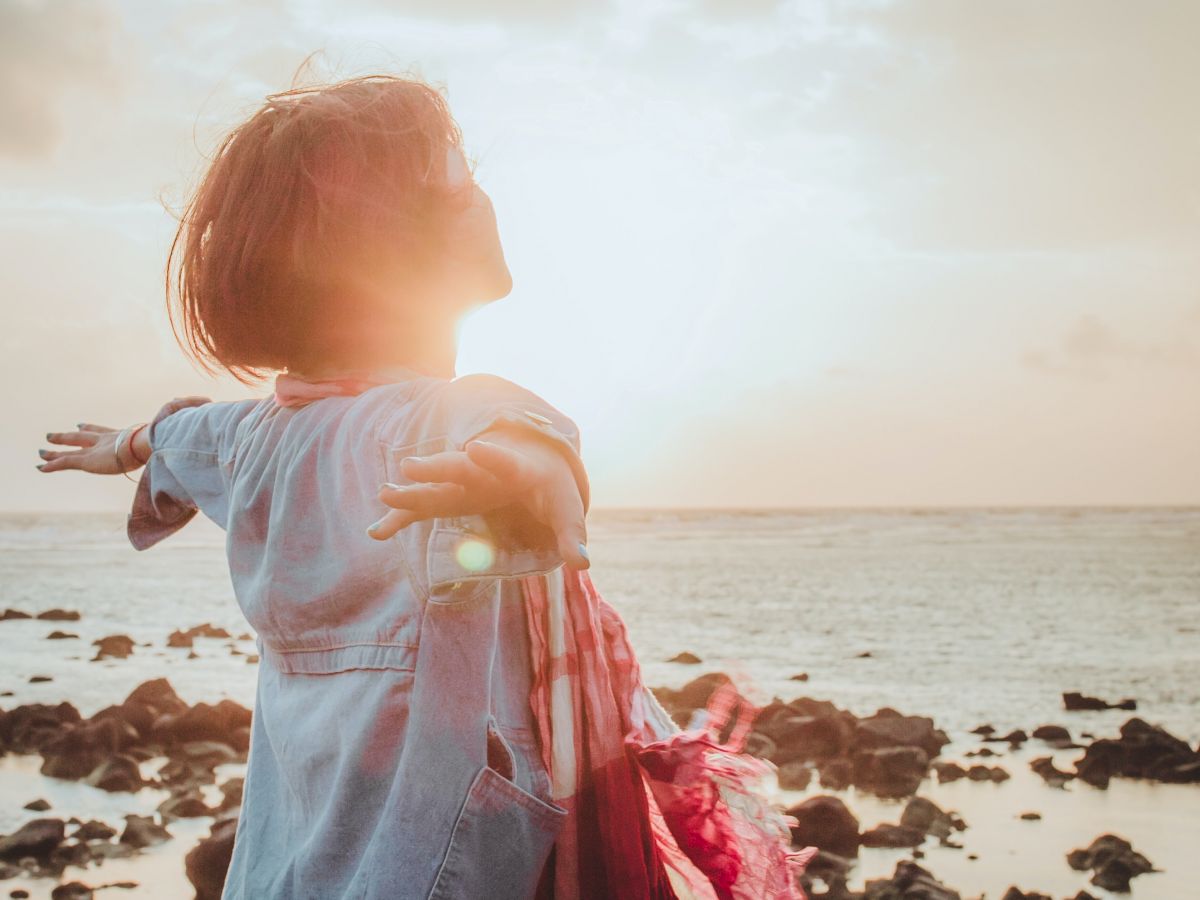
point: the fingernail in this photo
(583, 551)
(388, 486)
(80, 424)
(49, 435)
(42, 453)
(39, 467)
(372, 529)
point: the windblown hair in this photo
(318, 190)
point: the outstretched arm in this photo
(103, 450)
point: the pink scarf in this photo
(654, 812)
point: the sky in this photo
(766, 254)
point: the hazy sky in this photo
(934, 253)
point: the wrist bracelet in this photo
(133, 434)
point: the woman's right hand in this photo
(97, 451)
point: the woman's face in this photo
(478, 269)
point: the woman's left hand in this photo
(509, 467)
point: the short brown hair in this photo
(320, 184)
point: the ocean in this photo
(971, 616)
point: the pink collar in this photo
(293, 390)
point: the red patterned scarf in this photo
(654, 812)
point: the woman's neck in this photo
(435, 354)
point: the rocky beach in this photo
(124, 747)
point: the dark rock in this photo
(984, 730)
(758, 744)
(888, 728)
(188, 804)
(794, 776)
(60, 635)
(251, 658)
(999, 773)
(208, 862)
(909, 882)
(94, 830)
(1113, 862)
(158, 695)
(27, 728)
(117, 773)
(887, 835)
(686, 658)
(11, 613)
(39, 805)
(1051, 733)
(693, 695)
(1031, 816)
(117, 646)
(76, 752)
(59, 615)
(927, 817)
(231, 793)
(38, 839)
(836, 774)
(1015, 893)
(800, 676)
(891, 771)
(204, 722)
(866, 654)
(948, 771)
(72, 890)
(143, 831)
(1142, 751)
(1073, 701)
(825, 822)
(16, 893)
(39, 679)
(808, 738)
(179, 639)
(1053, 776)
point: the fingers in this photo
(57, 460)
(447, 466)
(509, 466)
(566, 518)
(391, 523)
(73, 438)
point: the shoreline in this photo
(188, 760)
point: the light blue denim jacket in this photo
(393, 751)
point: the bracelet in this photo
(132, 435)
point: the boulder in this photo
(888, 728)
(39, 805)
(909, 882)
(143, 831)
(227, 722)
(77, 751)
(1045, 768)
(825, 821)
(686, 658)
(891, 771)
(11, 613)
(27, 728)
(1073, 701)
(117, 773)
(927, 817)
(207, 863)
(37, 839)
(1113, 862)
(61, 635)
(116, 646)
(72, 890)
(59, 615)
(887, 835)
(94, 830)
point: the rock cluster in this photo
(1113, 862)
(107, 751)
(887, 753)
(1142, 751)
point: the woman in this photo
(337, 239)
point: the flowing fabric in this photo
(653, 811)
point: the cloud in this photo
(48, 49)
(1091, 349)
(1015, 126)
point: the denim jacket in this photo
(393, 751)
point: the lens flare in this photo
(474, 555)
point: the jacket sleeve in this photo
(191, 456)
(504, 543)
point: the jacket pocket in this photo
(500, 842)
